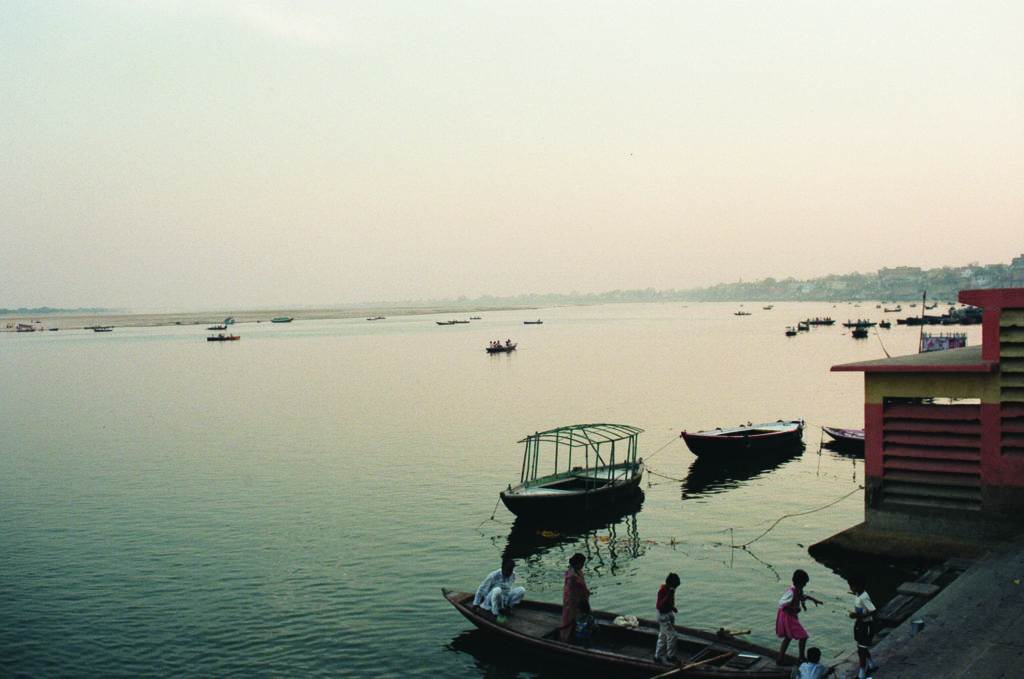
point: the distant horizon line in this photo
(512, 300)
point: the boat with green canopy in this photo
(592, 467)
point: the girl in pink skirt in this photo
(787, 624)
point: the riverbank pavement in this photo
(972, 628)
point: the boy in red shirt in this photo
(666, 648)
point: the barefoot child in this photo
(666, 647)
(787, 623)
(863, 629)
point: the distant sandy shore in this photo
(130, 320)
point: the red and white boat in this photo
(746, 438)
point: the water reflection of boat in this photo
(709, 476)
(616, 529)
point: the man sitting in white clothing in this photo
(496, 593)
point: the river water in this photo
(292, 503)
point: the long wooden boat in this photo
(859, 323)
(587, 476)
(625, 651)
(852, 439)
(828, 320)
(745, 438)
(221, 337)
(282, 319)
(536, 322)
(501, 348)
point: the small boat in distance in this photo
(24, 327)
(217, 327)
(746, 438)
(769, 307)
(803, 326)
(536, 322)
(221, 337)
(852, 439)
(282, 319)
(376, 318)
(791, 331)
(895, 310)
(628, 651)
(475, 318)
(860, 332)
(102, 328)
(820, 321)
(500, 347)
(859, 323)
(596, 480)
(884, 324)
(741, 312)
(445, 322)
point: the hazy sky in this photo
(156, 153)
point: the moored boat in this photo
(536, 322)
(803, 326)
(606, 470)
(790, 331)
(745, 438)
(221, 337)
(859, 332)
(282, 319)
(625, 650)
(852, 439)
(217, 327)
(885, 324)
(102, 328)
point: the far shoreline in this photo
(78, 321)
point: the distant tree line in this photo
(897, 284)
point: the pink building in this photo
(944, 431)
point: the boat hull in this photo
(724, 444)
(851, 440)
(544, 506)
(620, 651)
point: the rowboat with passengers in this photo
(626, 649)
(572, 470)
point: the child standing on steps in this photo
(665, 650)
(863, 629)
(787, 622)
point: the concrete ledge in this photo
(861, 540)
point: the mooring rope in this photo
(789, 516)
(667, 444)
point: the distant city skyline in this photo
(161, 154)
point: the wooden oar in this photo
(692, 665)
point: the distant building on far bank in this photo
(944, 431)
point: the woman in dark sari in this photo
(574, 593)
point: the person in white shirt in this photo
(863, 628)
(812, 668)
(496, 593)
